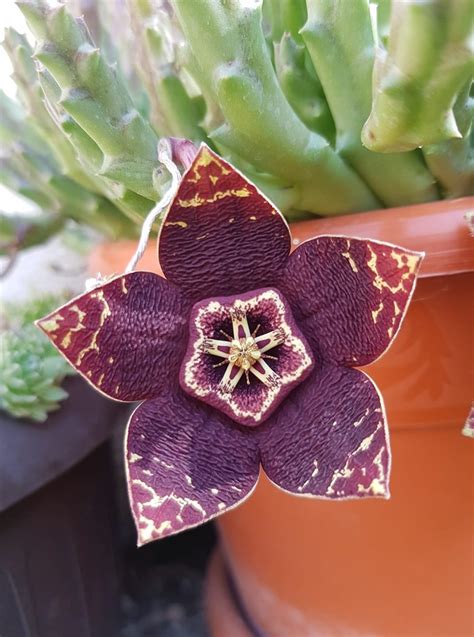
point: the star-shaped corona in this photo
(245, 354)
(245, 351)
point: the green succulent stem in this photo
(20, 231)
(94, 95)
(419, 76)
(183, 113)
(339, 38)
(452, 161)
(173, 110)
(31, 94)
(302, 87)
(381, 20)
(329, 106)
(89, 155)
(285, 17)
(260, 126)
(31, 170)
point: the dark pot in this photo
(58, 573)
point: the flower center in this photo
(244, 353)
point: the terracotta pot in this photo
(307, 568)
(112, 257)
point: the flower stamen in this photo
(254, 333)
(244, 352)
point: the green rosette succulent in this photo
(31, 370)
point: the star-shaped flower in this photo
(244, 355)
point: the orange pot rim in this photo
(440, 229)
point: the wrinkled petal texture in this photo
(221, 236)
(329, 439)
(126, 337)
(349, 296)
(185, 465)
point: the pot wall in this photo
(58, 571)
(33, 454)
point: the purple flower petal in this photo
(126, 337)
(186, 464)
(221, 236)
(329, 439)
(349, 296)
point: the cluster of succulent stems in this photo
(330, 107)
